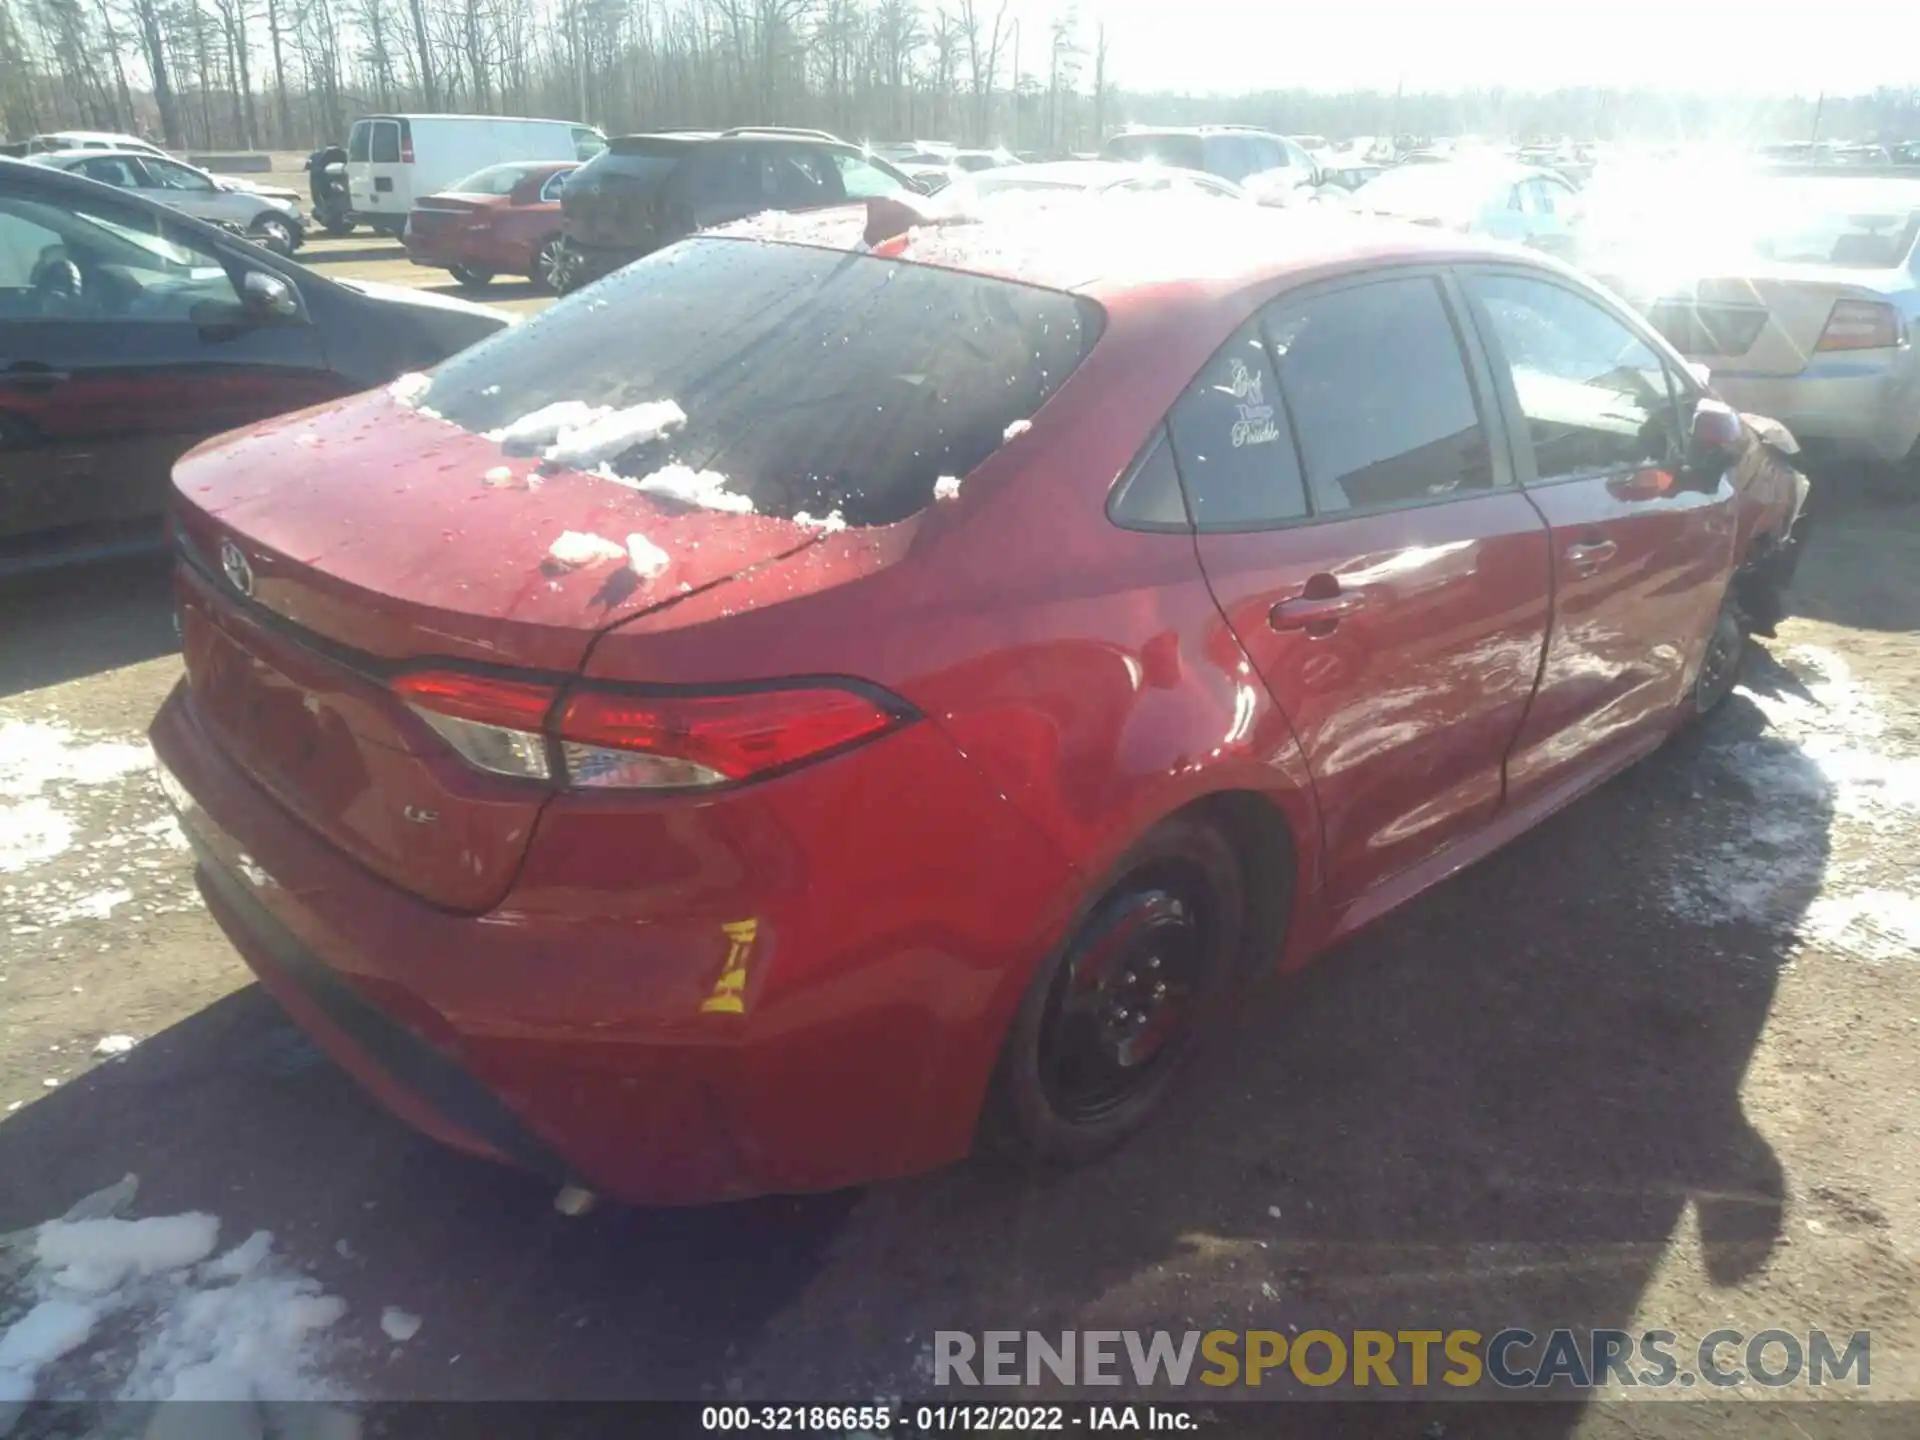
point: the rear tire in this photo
(1110, 1018)
(547, 262)
(471, 277)
(1720, 665)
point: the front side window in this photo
(1596, 398)
(87, 261)
(1230, 438)
(811, 380)
(1377, 385)
(170, 175)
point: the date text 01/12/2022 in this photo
(944, 1419)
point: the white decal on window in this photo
(1255, 425)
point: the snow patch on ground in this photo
(1823, 782)
(167, 1318)
(39, 763)
(85, 834)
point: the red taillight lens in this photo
(495, 724)
(651, 741)
(406, 148)
(1860, 325)
(611, 740)
(519, 703)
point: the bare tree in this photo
(983, 60)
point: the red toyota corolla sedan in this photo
(503, 220)
(826, 699)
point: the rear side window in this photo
(635, 170)
(494, 180)
(1378, 389)
(1182, 150)
(812, 380)
(1595, 396)
(359, 140)
(1230, 438)
(386, 142)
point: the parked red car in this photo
(1130, 601)
(503, 220)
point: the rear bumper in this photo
(1864, 405)
(674, 1004)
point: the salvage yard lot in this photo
(1654, 1066)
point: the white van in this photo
(395, 160)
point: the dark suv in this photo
(1268, 167)
(646, 191)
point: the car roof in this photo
(119, 154)
(1092, 174)
(1112, 246)
(1195, 130)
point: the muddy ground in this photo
(1654, 1066)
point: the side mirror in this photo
(268, 297)
(1716, 430)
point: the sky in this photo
(1711, 46)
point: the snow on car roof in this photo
(1108, 244)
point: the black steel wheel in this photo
(1720, 665)
(1108, 1020)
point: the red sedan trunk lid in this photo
(329, 555)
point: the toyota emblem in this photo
(239, 572)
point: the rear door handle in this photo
(32, 375)
(1305, 613)
(1591, 554)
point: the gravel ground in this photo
(1653, 1066)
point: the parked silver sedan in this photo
(1801, 295)
(1478, 196)
(270, 217)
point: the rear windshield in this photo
(358, 140)
(1183, 150)
(812, 380)
(494, 180)
(644, 169)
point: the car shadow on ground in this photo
(320, 259)
(503, 287)
(1498, 1107)
(82, 621)
(1505, 1105)
(1852, 573)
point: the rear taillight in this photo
(496, 724)
(406, 145)
(1860, 325)
(610, 739)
